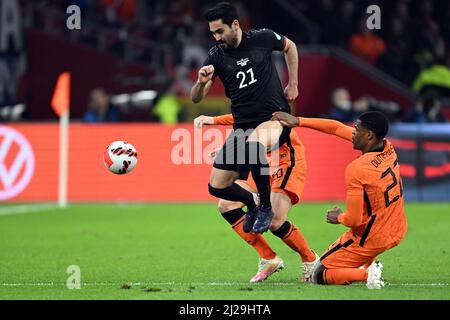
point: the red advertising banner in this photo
(173, 164)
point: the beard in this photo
(228, 43)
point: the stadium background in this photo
(156, 233)
(156, 47)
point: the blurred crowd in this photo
(413, 44)
(414, 34)
(427, 108)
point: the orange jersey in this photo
(375, 200)
(289, 172)
(289, 153)
(375, 205)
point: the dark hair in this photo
(376, 122)
(223, 10)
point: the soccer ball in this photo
(120, 157)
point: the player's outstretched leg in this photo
(347, 275)
(266, 268)
(291, 235)
(222, 185)
(293, 238)
(269, 262)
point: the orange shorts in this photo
(286, 179)
(347, 253)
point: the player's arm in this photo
(275, 42)
(354, 202)
(291, 57)
(353, 216)
(203, 84)
(332, 127)
(328, 126)
(224, 120)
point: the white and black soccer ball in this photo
(120, 157)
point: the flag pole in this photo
(63, 158)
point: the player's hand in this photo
(291, 93)
(286, 119)
(205, 74)
(201, 121)
(332, 215)
(213, 154)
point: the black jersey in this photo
(250, 78)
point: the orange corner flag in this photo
(61, 96)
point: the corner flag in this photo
(61, 96)
(61, 105)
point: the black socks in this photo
(234, 193)
(259, 168)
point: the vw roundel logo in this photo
(16, 163)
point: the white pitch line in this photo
(25, 209)
(51, 284)
(93, 284)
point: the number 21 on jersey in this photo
(242, 76)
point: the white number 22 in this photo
(243, 75)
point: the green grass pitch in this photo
(189, 252)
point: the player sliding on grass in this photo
(375, 207)
(243, 62)
(287, 184)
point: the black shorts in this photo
(232, 155)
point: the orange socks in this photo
(292, 236)
(236, 218)
(344, 276)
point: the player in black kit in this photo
(243, 62)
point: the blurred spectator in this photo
(437, 77)
(119, 12)
(12, 72)
(445, 17)
(168, 106)
(390, 109)
(401, 11)
(194, 52)
(100, 108)
(344, 110)
(426, 110)
(341, 109)
(193, 56)
(169, 38)
(337, 22)
(430, 38)
(244, 16)
(6, 82)
(366, 45)
(396, 60)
